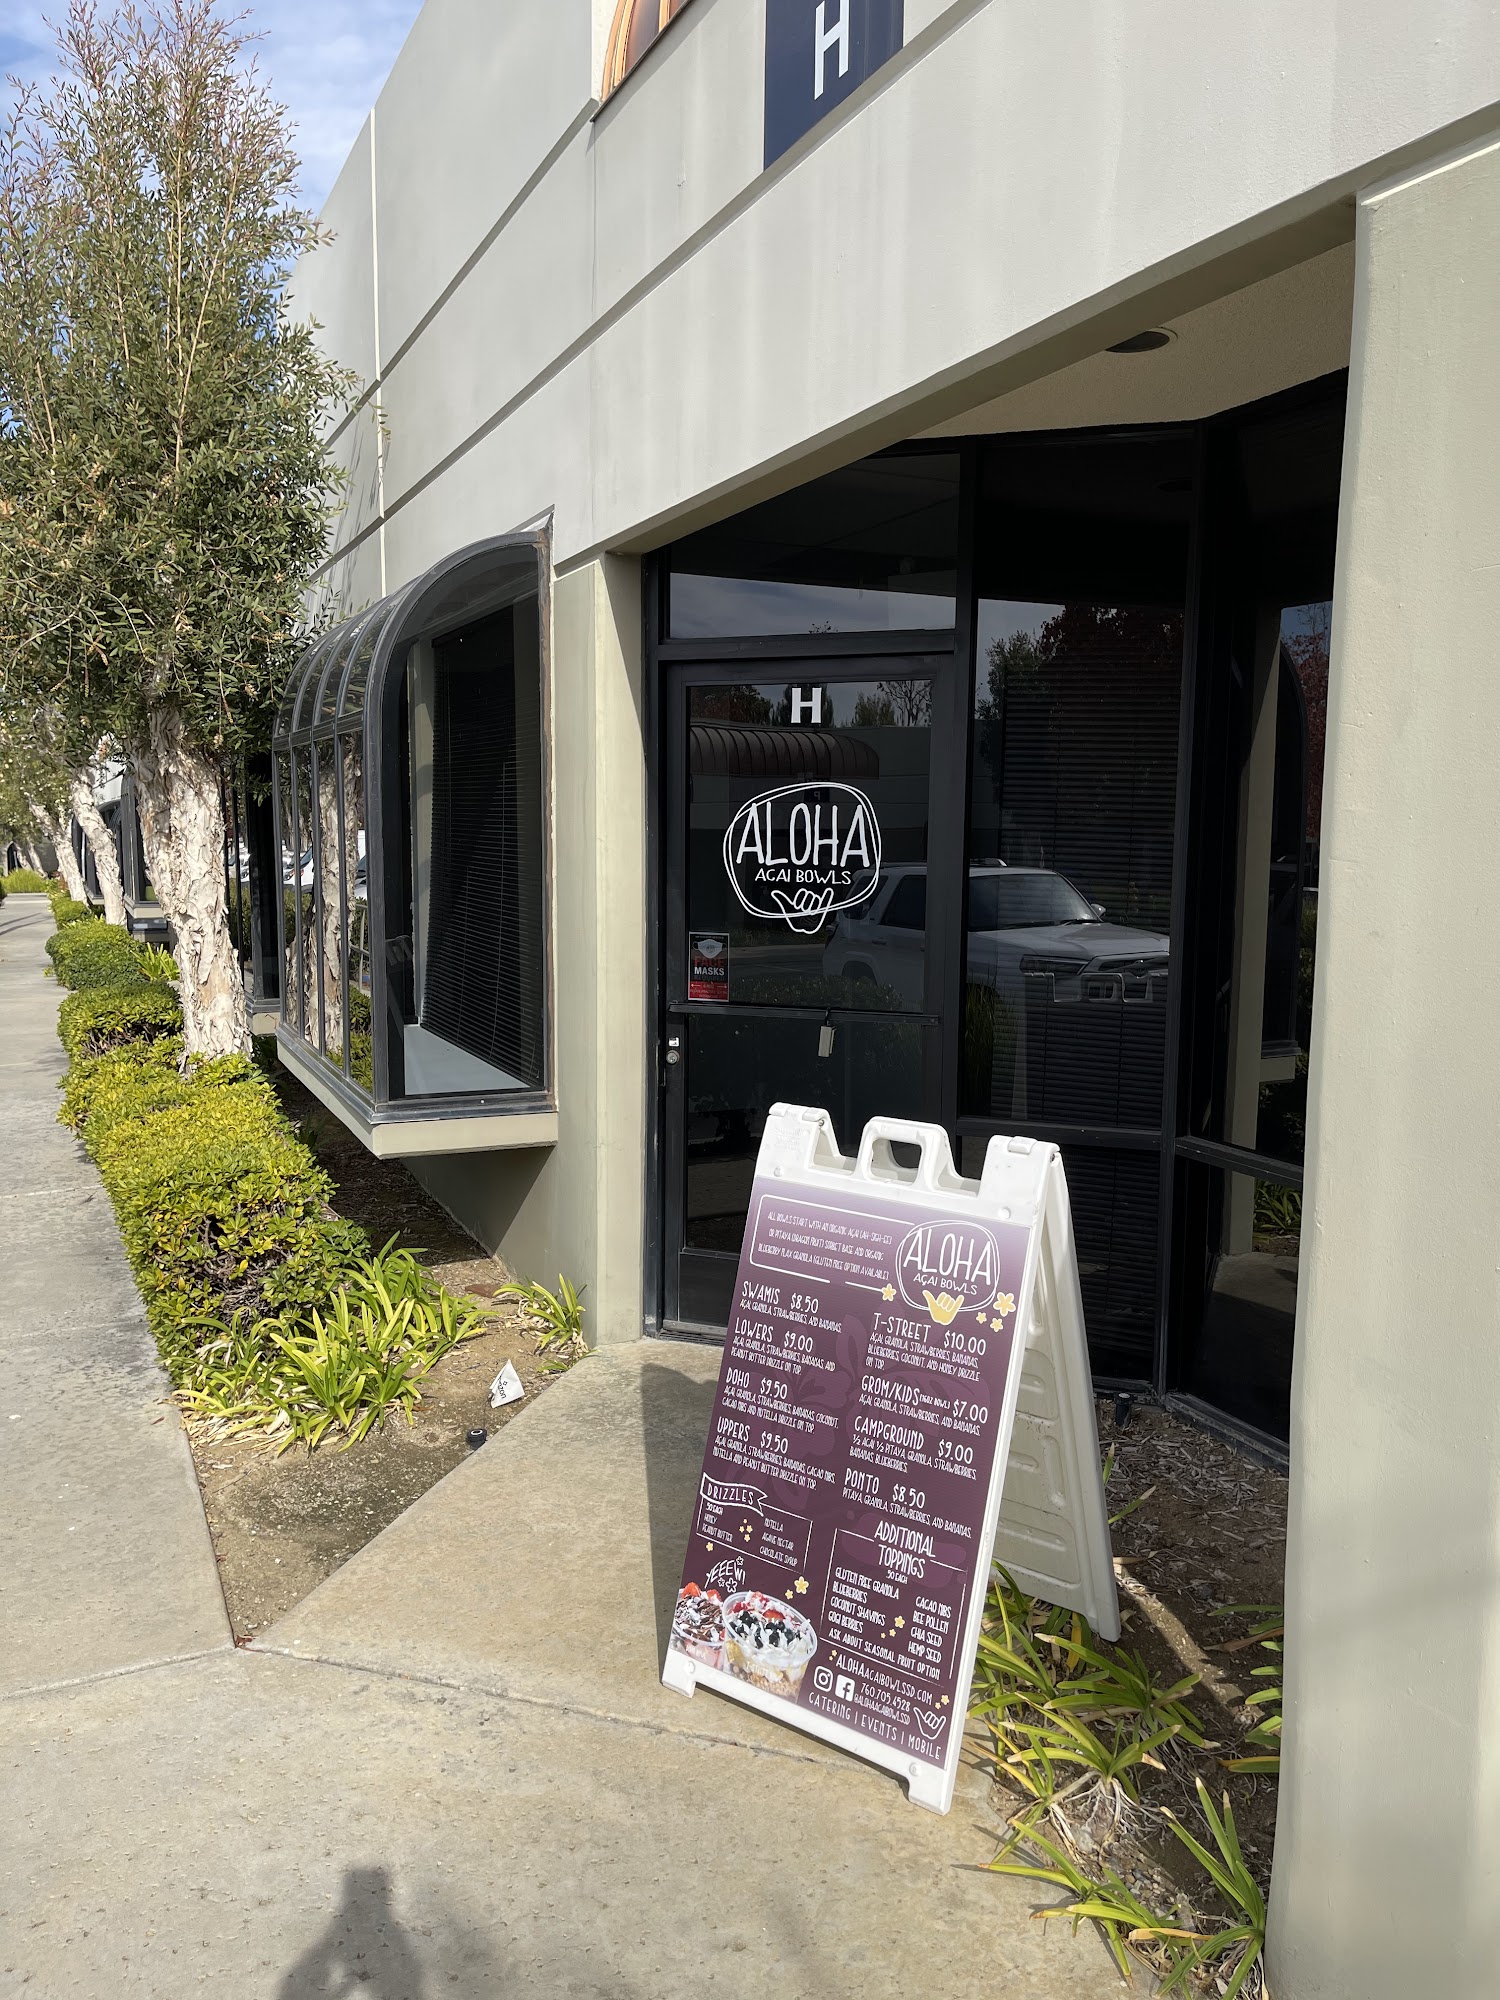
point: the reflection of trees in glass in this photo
(1306, 651)
(731, 704)
(897, 704)
(1282, 1114)
(330, 927)
(1076, 753)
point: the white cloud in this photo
(325, 59)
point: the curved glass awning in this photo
(409, 770)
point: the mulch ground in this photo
(1204, 1528)
(281, 1525)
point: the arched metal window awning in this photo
(411, 801)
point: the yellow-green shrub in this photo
(99, 1091)
(108, 1017)
(25, 882)
(65, 911)
(92, 953)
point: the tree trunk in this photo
(182, 827)
(102, 846)
(60, 834)
(31, 857)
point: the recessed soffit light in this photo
(1143, 343)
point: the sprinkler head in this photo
(476, 1439)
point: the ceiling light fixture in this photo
(1143, 343)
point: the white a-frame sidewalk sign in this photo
(904, 1398)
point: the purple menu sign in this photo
(838, 1529)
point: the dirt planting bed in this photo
(280, 1525)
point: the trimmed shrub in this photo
(65, 911)
(25, 882)
(268, 1310)
(92, 953)
(100, 1092)
(102, 1018)
(220, 1205)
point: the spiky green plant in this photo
(1267, 1629)
(558, 1317)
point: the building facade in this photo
(938, 559)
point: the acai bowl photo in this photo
(768, 1643)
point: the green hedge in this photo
(220, 1204)
(86, 952)
(126, 1082)
(65, 911)
(102, 1018)
(267, 1308)
(25, 882)
(92, 953)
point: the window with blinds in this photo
(1081, 564)
(483, 964)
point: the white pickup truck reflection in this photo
(1024, 924)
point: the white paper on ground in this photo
(506, 1388)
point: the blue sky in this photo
(325, 59)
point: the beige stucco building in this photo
(1072, 433)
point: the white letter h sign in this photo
(824, 38)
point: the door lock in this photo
(674, 1048)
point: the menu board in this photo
(845, 1511)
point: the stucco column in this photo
(1388, 1847)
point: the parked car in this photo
(1023, 923)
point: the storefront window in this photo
(410, 778)
(1291, 890)
(1251, 1227)
(871, 548)
(1073, 801)
(474, 906)
(1115, 1197)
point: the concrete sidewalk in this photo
(105, 1560)
(453, 1770)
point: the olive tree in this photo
(163, 475)
(50, 772)
(35, 782)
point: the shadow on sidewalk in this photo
(365, 1949)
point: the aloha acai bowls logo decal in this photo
(797, 854)
(945, 1268)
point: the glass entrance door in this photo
(803, 945)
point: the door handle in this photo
(674, 1049)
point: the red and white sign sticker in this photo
(708, 966)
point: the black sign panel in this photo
(817, 53)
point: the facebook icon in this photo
(817, 53)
